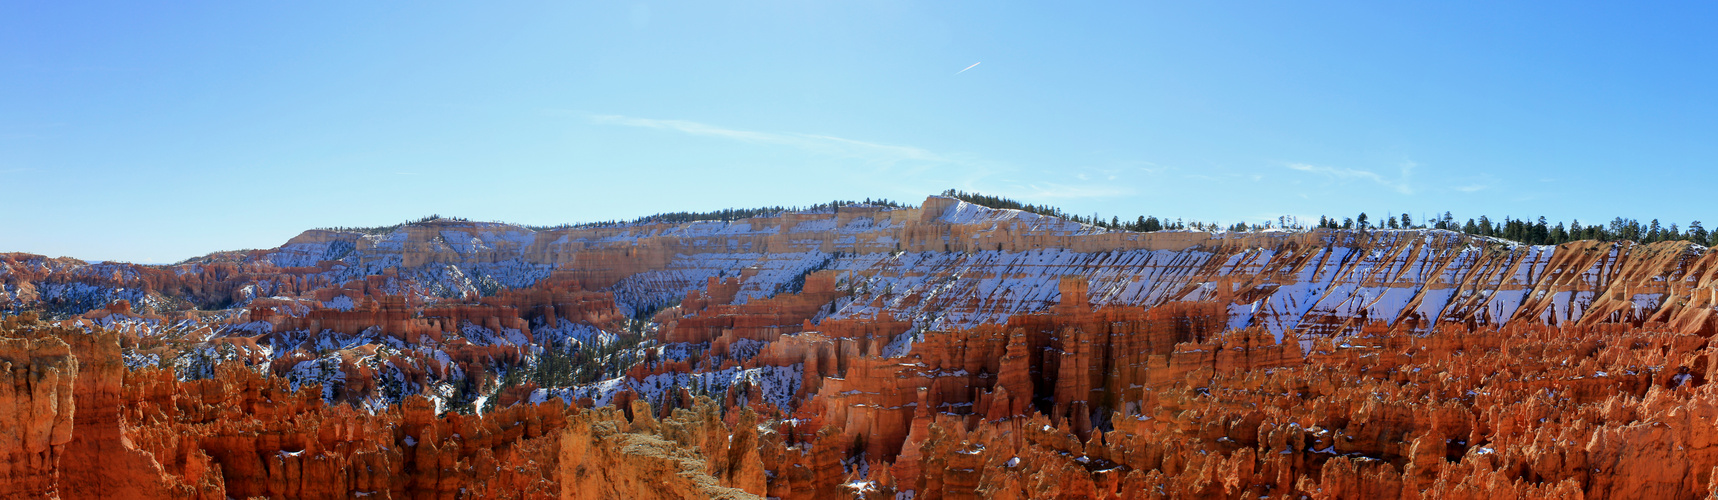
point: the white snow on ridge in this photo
(777, 384)
(962, 212)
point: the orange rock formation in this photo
(948, 350)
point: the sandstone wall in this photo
(948, 350)
(37, 408)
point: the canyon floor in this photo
(947, 350)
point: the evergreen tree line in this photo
(1534, 232)
(728, 214)
(1143, 223)
(390, 229)
(563, 364)
(1540, 232)
(724, 215)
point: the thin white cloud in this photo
(915, 165)
(1223, 177)
(899, 152)
(1064, 191)
(693, 128)
(963, 70)
(1400, 184)
(1472, 188)
(821, 144)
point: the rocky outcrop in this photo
(949, 350)
(100, 459)
(266, 440)
(37, 408)
(704, 317)
(146, 434)
(691, 454)
(1527, 412)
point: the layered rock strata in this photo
(948, 350)
(36, 414)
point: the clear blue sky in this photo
(152, 133)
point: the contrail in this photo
(964, 70)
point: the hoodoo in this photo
(948, 350)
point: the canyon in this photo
(947, 350)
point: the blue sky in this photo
(153, 133)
